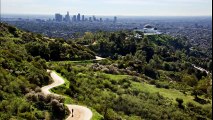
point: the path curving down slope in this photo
(99, 58)
(201, 69)
(80, 112)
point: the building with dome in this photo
(149, 29)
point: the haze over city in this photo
(110, 7)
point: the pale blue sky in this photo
(110, 7)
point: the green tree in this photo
(190, 80)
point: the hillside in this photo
(23, 67)
(142, 77)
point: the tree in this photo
(203, 84)
(55, 50)
(151, 72)
(180, 103)
(58, 109)
(210, 65)
(108, 99)
(141, 55)
(145, 41)
(190, 80)
(149, 53)
(38, 49)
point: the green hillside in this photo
(152, 77)
(147, 77)
(23, 67)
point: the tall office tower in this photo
(83, 18)
(94, 18)
(74, 18)
(79, 17)
(90, 19)
(58, 17)
(115, 19)
(101, 20)
(67, 17)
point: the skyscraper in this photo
(79, 17)
(67, 17)
(83, 18)
(115, 19)
(74, 18)
(94, 18)
(101, 20)
(90, 19)
(58, 17)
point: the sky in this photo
(109, 7)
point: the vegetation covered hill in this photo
(143, 77)
(167, 48)
(23, 67)
(46, 48)
(130, 97)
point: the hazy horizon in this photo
(64, 13)
(52, 16)
(135, 8)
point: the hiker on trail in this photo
(72, 112)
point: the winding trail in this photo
(80, 112)
(99, 58)
(201, 69)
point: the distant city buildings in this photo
(101, 20)
(83, 19)
(67, 17)
(94, 18)
(90, 19)
(58, 17)
(79, 18)
(74, 18)
(115, 19)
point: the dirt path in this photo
(99, 58)
(80, 112)
(201, 69)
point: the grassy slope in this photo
(141, 86)
(168, 93)
(68, 100)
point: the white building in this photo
(150, 30)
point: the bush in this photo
(151, 72)
(180, 103)
(162, 85)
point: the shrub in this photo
(151, 72)
(180, 103)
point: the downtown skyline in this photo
(80, 18)
(110, 7)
